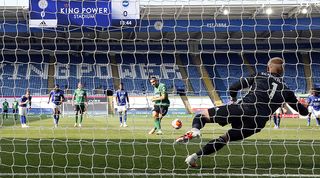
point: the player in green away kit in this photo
(161, 104)
(5, 107)
(81, 101)
(15, 109)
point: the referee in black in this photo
(248, 116)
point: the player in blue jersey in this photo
(122, 100)
(314, 106)
(56, 97)
(25, 100)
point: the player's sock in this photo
(24, 120)
(318, 121)
(76, 118)
(125, 117)
(21, 119)
(278, 121)
(57, 119)
(81, 117)
(120, 119)
(54, 119)
(157, 124)
(212, 146)
(275, 120)
(199, 121)
(309, 119)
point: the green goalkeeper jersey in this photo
(15, 105)
(5, 105)
(80, 95)
(160, 91)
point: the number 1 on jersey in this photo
(273, 91)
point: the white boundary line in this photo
(159, 174)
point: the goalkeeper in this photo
(268, 92)
(80, 97)
(161, 104)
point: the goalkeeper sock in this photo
(212, 146)
(81, 117)
(199, 121)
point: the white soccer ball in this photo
(177, 123)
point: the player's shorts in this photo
(15, 110)
(163, 110)
(22, 111)
(122, 108)
(310, 109)
(55, 106)
(5, 111)
(81, 108)
(279, 111)
(315, 113)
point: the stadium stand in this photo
(315, 67)
(223, 68)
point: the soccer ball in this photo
(177, 124)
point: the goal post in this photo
(97, 106)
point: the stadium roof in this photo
(196, 10)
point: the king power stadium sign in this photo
(49, 13)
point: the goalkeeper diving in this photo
(248, 116)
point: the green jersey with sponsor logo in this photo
(15, 105)
(5, 105)
(161, 90)
(79, 95)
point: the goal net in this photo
(196, 48)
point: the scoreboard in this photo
(125, 12)
(91, 13)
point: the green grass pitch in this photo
(101, 147)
